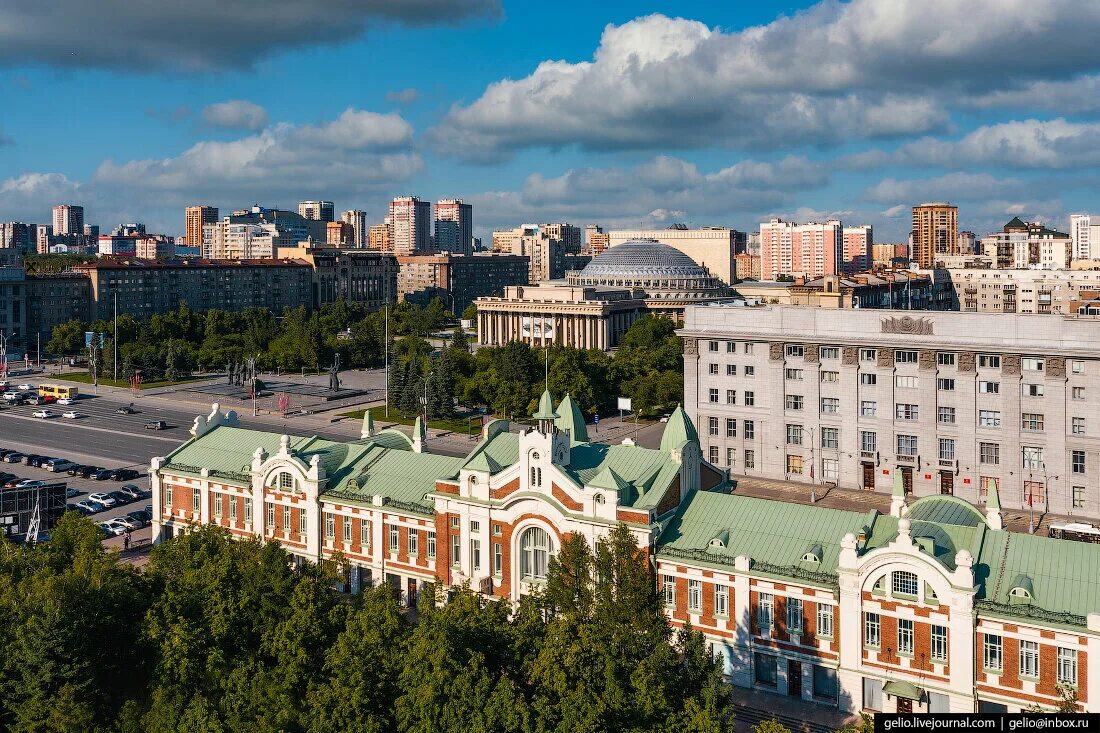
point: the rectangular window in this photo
(945, 385)
(713, 395)
(750, 371)
(731, 347)
(1032, 456)
(1067, 666)
(713, 455)
(872, 630)
(824, 620)
(247, 512)
(945, 359)
(330, 525)
(750, 399)
(830, 376)
(1031, 421)
(168, 498)
(1033, 390)
(475, 553)
(731, 428)
(794, 616)
(830, 438)
(905, 381)
(947, 449)
(907, 445)
(830, 352)
(989, 418)
(748, 348)
(794, 435)
(497, 531)
(430, 545)
(990, 361)
(1029, 659)
(906, 411)
(945, 415)
(793, 402)
(796, 350)
(395, 539)
(668, 586)
(795, 464)
(765, 669)
(868, 354)
(750, 459)
(695, 596)
(1078, 497)
(1032, 364)
(217, 505)
(498, 558)
(413, 541)
(1077, 366)
(989, 387)
(992, 658)
(286, 519)
(729, 456)
(731, 370)
(1078, 426)
(905, 636)
(456, 550)
(345, 523)
(750, 430)
(939, 644)
(868, 408)
(302, 527)
(475, 527)
(905, 357)
(364, 534)
(731, 397)
(1078, 393)
(989, 453)
(712, 425)
(721, 600)
(712, 346)
(233, 508)
(830, 405)
(454, 522)
(904, 583)
(868, 378)
(1077, 461)
(795, 374)
(713, 368)
(270, 523)
(196, 499)
(765, 611)
(868, 441)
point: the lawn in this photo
(455, 425)
(86, 378)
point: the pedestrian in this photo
(126, 541)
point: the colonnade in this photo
(580, 330)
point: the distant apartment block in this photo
(801, 250)
(935, 232)
(68, 219)
(858, 242)
(195, 218)
(454, 226)
(1022, 244)
(358, 221)
(380, 237)
(356, 276)
(410, 219)
(340, 234)
(458, 279)
(885, 254)
(747, 266)
(317, 210)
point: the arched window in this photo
(536, 547)
(904, 583)
(286, 481)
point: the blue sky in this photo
(622, 114)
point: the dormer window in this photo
(1022, 590)
(720, 540)
(1019, 592)
(286, 481)
(812, 555)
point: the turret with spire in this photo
(897, 497)
(993, 508)
(571, 420)
(367, 430)
(546, 415)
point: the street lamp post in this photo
(813, 466)
(424, 401)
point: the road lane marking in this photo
(76, 424)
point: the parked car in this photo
(148, 509)
(5, 452)
(27, 387)
(124, 474)
(71, 493)
(4, 476)
(39, 461)
(33, 399)
(30, 483)
(102, 498)
(120, 498)
(14, 457)
(77, 508)
(89, 506)
(12, 482)
(126, 522)
(89, 471)
(131, 491)
(156, 425)
(112, 528)
(126, 410)
(28, 457)
(102, 474)
(72, 415)
(145, 518)
(43, 414)
(57, 465)
(75, 469)
(66, 401)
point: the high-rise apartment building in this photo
(68, 219)
(1023, 244)
(15, 235)
(317, 210)
(195, 218)
(967, 243)
(806, 250)
(358, 220)
(568, 234)
(857, 248)
(339, 234)
(935, 232)
(411, 223)
(43, 237)
(454, 226)
(380, 237)
(1084, 230)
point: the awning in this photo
(903, 689)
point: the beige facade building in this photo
(935, 232)
(458, 279)
(411, 225)
(713, 248)
(351, 274)
(1021, 291)
(358, 220)
(545, 253)
(380, 237)
(1023, 244)
(747, 266)
(884, 254)
(959, 404)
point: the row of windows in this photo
(945, 359)
(993, 659)
(905, 642)
(748, 432)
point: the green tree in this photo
(67, 338)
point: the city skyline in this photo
(573, 123)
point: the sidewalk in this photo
(800, 716)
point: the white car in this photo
(42, 413)
(27, 387)
(101, 498)
(72, 414)
(66, 401)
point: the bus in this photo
(57, 391)
(1075, 531)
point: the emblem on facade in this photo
(907, 325)
(691, 347)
